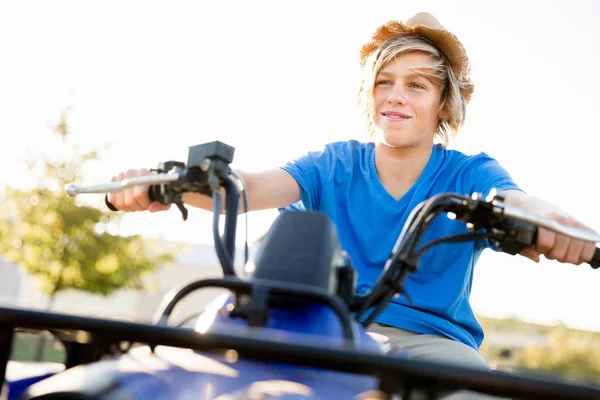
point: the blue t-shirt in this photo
(341, 181)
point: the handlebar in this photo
(156, 179)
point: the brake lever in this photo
(181, 207)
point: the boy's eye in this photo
(384, 82)
(417, 86)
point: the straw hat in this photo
(425, 24)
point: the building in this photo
(194, 261)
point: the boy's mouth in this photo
(394, 115)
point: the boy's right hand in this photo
(134, 198)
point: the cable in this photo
(453, 239)
(221, 253)
(406, 244)
(245, 200)
(426, 214)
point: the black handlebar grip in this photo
(595, 261)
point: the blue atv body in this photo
(167, 372)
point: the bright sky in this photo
(275, 79)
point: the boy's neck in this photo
(399, 168)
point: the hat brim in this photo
(444, 40)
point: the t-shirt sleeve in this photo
(484, 173)
(311, 171)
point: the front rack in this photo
(395, 375)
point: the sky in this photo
(276, 79)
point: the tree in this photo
(66, 245)
(569, 353)
(558, 350)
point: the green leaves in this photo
(64, 244)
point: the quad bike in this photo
(295, 328)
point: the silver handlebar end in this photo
(155, 179)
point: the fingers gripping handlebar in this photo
(513, 229)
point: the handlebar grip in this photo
(595, 261)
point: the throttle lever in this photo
(184, 211)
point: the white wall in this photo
(10, 283)
(193, 262)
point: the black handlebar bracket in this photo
(213, 151)
(206, 170)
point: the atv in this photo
(295, 327)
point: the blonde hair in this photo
(442, 74)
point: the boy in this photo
(415, 88)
